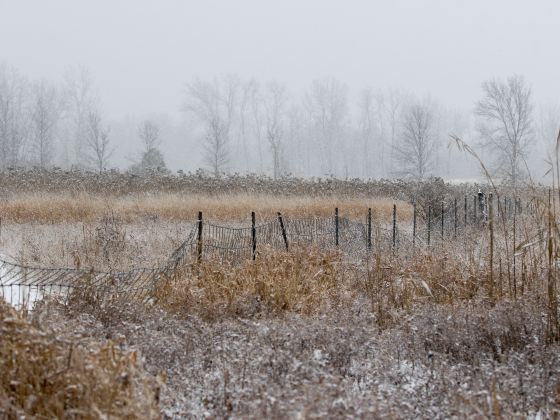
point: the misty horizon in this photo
(142, 57)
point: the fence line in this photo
(22, 285)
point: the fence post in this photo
(455, 217)
(283, 230)
(254, 234)
(466, 210)
(369, 228)
(442, 221)
(475, 212)
(336, 226)
(414, 224)
(491, 226)
(429, 224)
(481, 205)
(199, 238)
(394, 226)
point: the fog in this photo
(159, 61)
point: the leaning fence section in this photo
(431, 224)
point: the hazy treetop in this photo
(141, 53)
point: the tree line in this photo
(386, 133)
(43, 124)
(242, 125)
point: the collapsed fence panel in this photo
(23, 285)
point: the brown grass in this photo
(304, 281)
(50, 208)
(450, 303)
(44, 376)
(312, 281)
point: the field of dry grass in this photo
(465, 328)
(45, 208)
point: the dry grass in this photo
(51, 208)
(44, 376)
(304, 281)
(390, 337)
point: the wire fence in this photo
(23, 285)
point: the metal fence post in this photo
(442, 221)
(455, 217)
(394, 226)
(254, 234)
(466, 210)
(491, 227)
(336, 226)
(369, 228)
(481, 205)
(199, 238)
(284, 236)
(414, 224)
(429, 224)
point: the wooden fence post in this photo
(199, 238)
(475, 211)
(284, 236)
(369, 228)
(254, 234)
(336, 226)
(394, 226)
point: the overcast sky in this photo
(142, 52)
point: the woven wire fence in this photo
(23, 285)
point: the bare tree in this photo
(45, 114)
(245, 107)
(275, 100)
(394, 104)
(327, 106)
(548, 128)
(14, 116)
(214, 105)
(297, 141)
(505, 124)
(415, 148)
(149, 135)
(258, 123)
(369, 129)
(80, 99)
(151, 158)
(98, 144)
